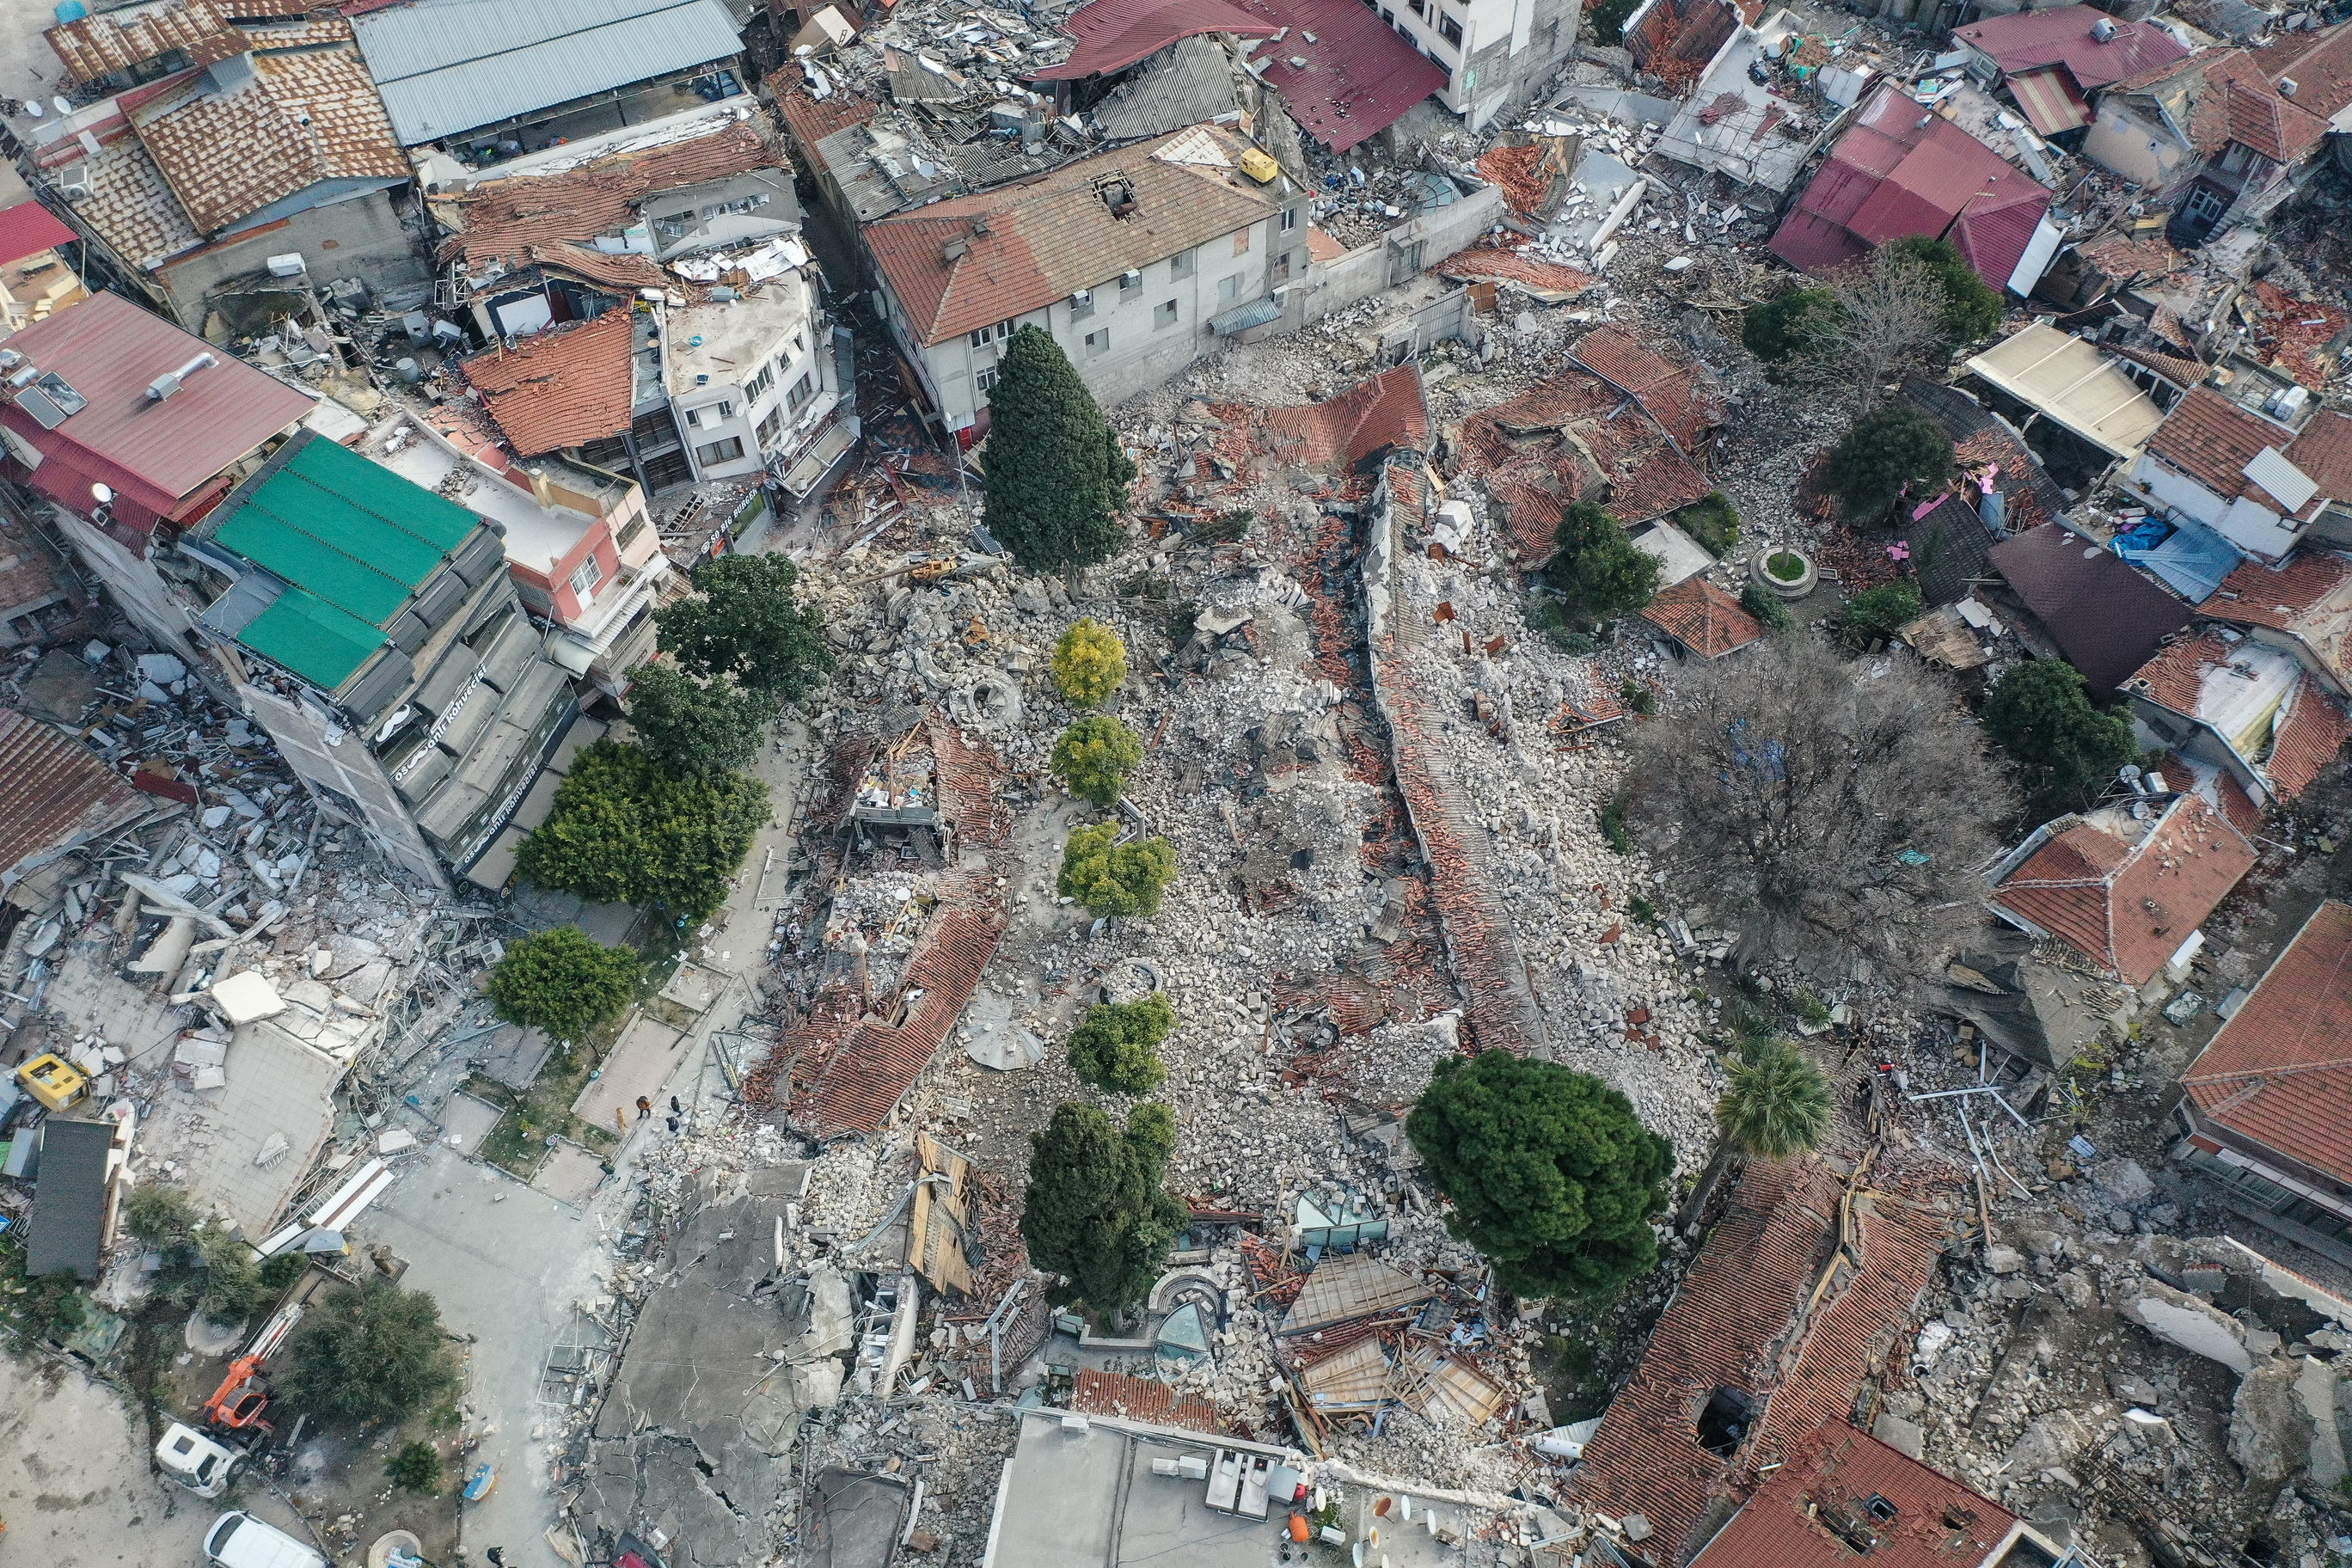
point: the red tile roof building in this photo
(2274, 1087)
(2280, 731)
(1900, 170)
(1775, 1313)
(564, 387)
(2305, 602)
(2126, 893)
(1842, 1495)
(58, 794)
(166, 461)
(2210, 439)
(1703, 618)
(1369, 419)
(1669, 392)
(1141, 1399)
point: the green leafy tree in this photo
(205, 1266)
(1551, 1174)
(1777, 1103)
(416, 1468)
(161, 1217)
(2041, 713)
(1056, 479)
(1089, 663)
(564, 983)
(1971, 309)
(1098, 1210)
(1596, 569)
(53, 1304)
(1876, 613)
(279, 1273)
(1116, 879)
(743, 623)
(694, 728)
(1892, 445)
(229, 1287)
(1712, 520)
(1093, 757)
(1766, 606)
(1118, 1046)
(1789, 330)
(376, 1354)
(625, 829)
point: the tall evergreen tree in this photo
(2041, 714)
(1056, 477)
(1099, 1209)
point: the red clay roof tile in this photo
(2306, 738)
(2211, 440)
(565, 387)
(2279, 1072)
(499, 218)
(1703, 618)
(1833, 1471)
(1141, 1399)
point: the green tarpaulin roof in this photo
(352, 539)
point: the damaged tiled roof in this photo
(1048, 238)
(1744, 1319)
(2218, 786)
(2029, 496)
(2175, 677)
(2238, 103)
(1370, 418)
(2320, 66)
(2128, 906)
(2119, 256)
(92, 46)
(811, 120)
(1837, 1468)
(2105, 618)
(624, 274)
(2322, 450)
(1486, 263)
(2211, 440)
(1140, 1399)
(58, 794)
(876, 1063)
(1668, 392)
(129, 205)
(2309, 597)
(497, 218)
(2178, 368)
(309, 116)
(2304, 738)
(2278, 1073)
(565, 387)
(1703, 618)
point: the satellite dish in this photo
(102, 494)
(2129, 773)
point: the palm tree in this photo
(1778, 1105)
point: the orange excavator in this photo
(237, 1403)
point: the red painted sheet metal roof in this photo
(27, 229)
(2127, 907)
(58, 794)
(2063, 36)
(1112, 35)
(1890, 175)
(2279, 1073)
(156, 455)
(1360, 76)
(1837, 1468)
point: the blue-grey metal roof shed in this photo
(447, 67)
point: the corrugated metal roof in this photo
(68, 1225)
(2050, 99)
(445, 67)
(153, 454)
(27, 229)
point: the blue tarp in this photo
(2187, 557)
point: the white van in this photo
(240, 1540)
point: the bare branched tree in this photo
(1824, 810)
(1889, 316)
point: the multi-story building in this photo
(373, 629)
(753, 379)
(1494, 52)
(1135, 261)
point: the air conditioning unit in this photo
(2286, 86)
(2103, 28)
(1083, 297)
(74, 181)
(289, 265)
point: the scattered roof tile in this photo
(498, 220)
(2126, 894)
(1048, 238)
(2105, 618)
(565, 387)
(1140, 1399)
(1703, 618)
(1787, 1523)
(2121, 255)
(1668, 392)
(1486, 263)
(2278, 1073)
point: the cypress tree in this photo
(1056, 477)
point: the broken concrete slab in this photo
(2180, 1319)
(2270, 1431)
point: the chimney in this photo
(539, 488)
(164, 385)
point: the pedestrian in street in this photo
(673, 1123)
(645, 1107)
(674, 1108)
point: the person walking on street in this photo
(644, 1107)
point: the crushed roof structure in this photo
(2105, 617)
(351, 540)
(961, 265)
(2126, 885)
(1799, 1291)
(2307, 597)
(1141, 1399)
(1898, 170)
(2070, 38)
(230, 147)
(1375, 416)
(1357, 1285)
(1190, 83)
(1675, 40)
(447, 67)
(164, 459)
(2322, 449)
(512, 219)
(2275, 716)
(2070, 383)
(58, 795)
(1703, 618)
(1576, 437)
(2001, 486)
(1842, 1492)
(562, 387)
(1343, 76)
(2277, 1074)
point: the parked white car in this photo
(240, 1540)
